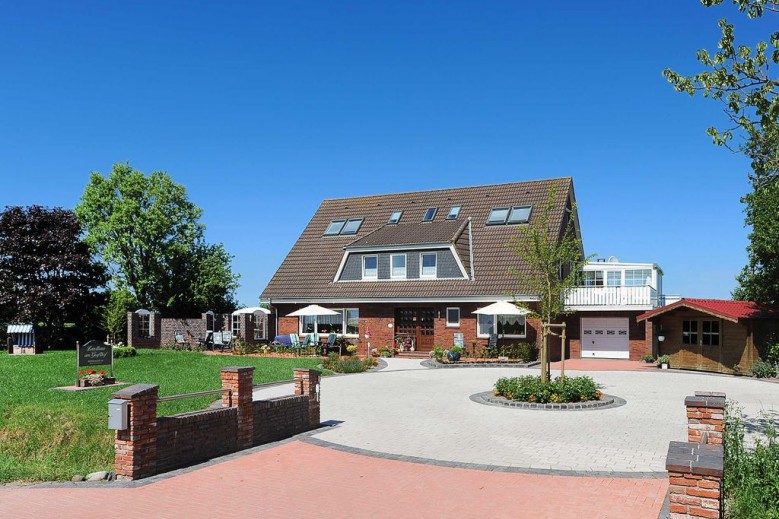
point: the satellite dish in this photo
(613, 259)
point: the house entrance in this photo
(418, 324)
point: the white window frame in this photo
(392, 266)
(610, 274)
(144, 325)
(344, 313)
(495, 318)
(235, 324)
(452, 324)
(364, 275)
(422, 275)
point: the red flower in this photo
(102, 372)
(91, 371)
(81, 372)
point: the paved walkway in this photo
(305, 481)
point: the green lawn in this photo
(48, 435)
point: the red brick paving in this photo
(302, 480)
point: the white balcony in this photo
(619, 298)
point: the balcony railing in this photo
(644, 296)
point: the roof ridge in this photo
(476, 186)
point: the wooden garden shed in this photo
(713, 334)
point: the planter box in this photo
(107, 381)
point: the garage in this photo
(605, 338)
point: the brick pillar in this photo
(135, 449)
(705, 417)
(649, 339)
(695, 473)
(307, 384)
(239, 380)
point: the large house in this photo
(415, 265)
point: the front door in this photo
(418, 324)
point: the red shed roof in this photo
(723, 308)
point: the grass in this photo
(49, 435)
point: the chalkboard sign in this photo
(95, 353)
(458, 340)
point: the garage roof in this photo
(722, 308)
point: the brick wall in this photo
(163, 330)
(133, 331)
(152, 445)
(191, 328)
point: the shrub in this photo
(352, 348)
(763, 369)
(751, 475)
(526, 351)
(124, 351)
(241, 347)
(530, 388)
(772, 353)
(437, 353)
(664, 359)
(648, 358)
(339, 364)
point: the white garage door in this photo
(605, 338)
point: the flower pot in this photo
(452, 356)
(664, 366)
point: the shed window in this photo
(430, 214)
(689, 332)
(395, 217)
(710, 333)
(454, 212)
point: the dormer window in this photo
(395, 217)
(352, 226)
(430, 214)
(370, 267)
(428, 265)
(454, 212)
(334, 227)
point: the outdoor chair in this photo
(294, 343)
(180, 340)
(330, 346)
(207, 341)
(312, 341)
(222, 340)
(491, 350)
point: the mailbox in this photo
(117, 414)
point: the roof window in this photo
(454, 212)
(430, 214)
(334, 227)
(513, 215)
(352, 226)
(498, 216)
(395, 217)
(520, 214)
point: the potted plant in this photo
(664, 361)
(454, 354)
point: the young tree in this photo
(148, 232)
(740, 77)
(46, 271)
(553, 258)
(114, 315)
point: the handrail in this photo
(194, 395)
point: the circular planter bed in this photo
(606, 402)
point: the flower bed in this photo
(348, 364)
(560, 390)
(90, 377)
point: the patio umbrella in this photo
(312, 310)
(252, 310)
(502, 308)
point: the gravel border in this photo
(508, 364)
(489, 398)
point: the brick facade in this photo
(151, 445)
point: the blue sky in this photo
(263, 109)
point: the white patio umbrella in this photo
(502, 308)
(312, 310)
(252, 310)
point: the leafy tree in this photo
(114, 316)
(148, 232)
(553, 259)
(46, 270)
(740, 77)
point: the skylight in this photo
(430, 214)
(498, 216)
(352, 226)
(395, 217)
(520, 214)
(334, 227)
(454, 212)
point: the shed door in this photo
(605, 338)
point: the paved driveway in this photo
(405, 410)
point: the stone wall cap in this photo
(716, 394)
(307, 370)
(714, 402)
(134, 391)
(695, 458)
(237, 369)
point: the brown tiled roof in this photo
(412, 234)
(308, 271)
